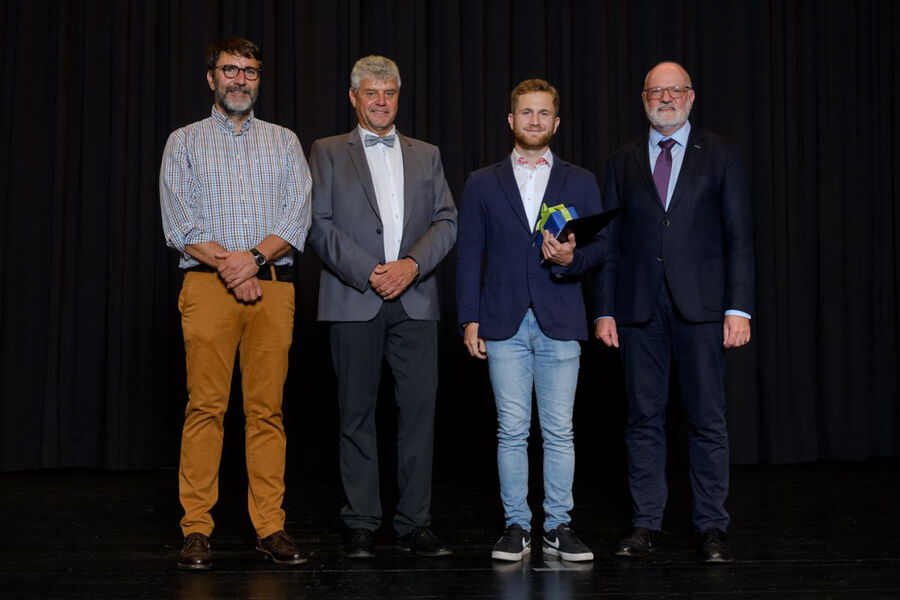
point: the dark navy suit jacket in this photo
(499, 270)
(702, 246)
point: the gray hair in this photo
(374, 67)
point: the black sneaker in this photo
(563, 543)
(422, 542)
(515, 543)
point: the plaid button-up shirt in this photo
(217, 185)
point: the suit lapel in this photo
(693, 155)
(641, 156)
(507, 180)
(358, 156)
(557, 177)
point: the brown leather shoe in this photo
(280, 549)
(195, 553)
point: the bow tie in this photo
(372, 140)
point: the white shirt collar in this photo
(548, 156)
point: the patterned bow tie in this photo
(524, 162)
(387, 140)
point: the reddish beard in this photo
(526, 143)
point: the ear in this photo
(352, 94)
(555, 124)
(512, 120)
(210, 80)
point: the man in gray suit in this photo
(383, 218)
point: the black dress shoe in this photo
(423, 542)
(360, 543)
(195, 554)
(637, 544)
(714, 547)
(280, 549)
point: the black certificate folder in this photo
(585, 228)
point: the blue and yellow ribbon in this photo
(546, 212)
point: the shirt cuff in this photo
(737, 313)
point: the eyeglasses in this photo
(231, 71)
(675, 91)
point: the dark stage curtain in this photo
(91, 357)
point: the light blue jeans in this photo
(531, 359)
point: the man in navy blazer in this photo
(677, 288)
(520, 304)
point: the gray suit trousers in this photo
(358, 349)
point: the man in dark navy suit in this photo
(677, 288)
(520, 304)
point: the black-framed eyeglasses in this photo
(231, 71)
(675, 91)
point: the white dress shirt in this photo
(532, 183)
(386, 167)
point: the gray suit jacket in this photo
(346, 229)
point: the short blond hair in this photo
(529, 86)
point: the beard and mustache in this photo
(667, 119)
(240, 107)
(532, 143)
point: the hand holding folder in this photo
(560, 221)
(584, 228)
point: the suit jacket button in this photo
(666, 223)
(659, 258)
(378, 231)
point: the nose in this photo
(240, 78)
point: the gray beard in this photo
(666, 120)
(232, 109)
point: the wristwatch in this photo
(259, 257)
(415, 262)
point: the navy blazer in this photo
(702, 246)
(499, 270)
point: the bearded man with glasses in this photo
(235, 199)
(677, 288)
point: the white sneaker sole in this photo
(551, 551)
(511, 556)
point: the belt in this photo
(266, 273)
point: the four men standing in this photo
(235, 198)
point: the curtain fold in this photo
(91, 356)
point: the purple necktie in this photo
(663, 170)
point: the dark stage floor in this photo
(825, 530)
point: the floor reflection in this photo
(263, 585)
